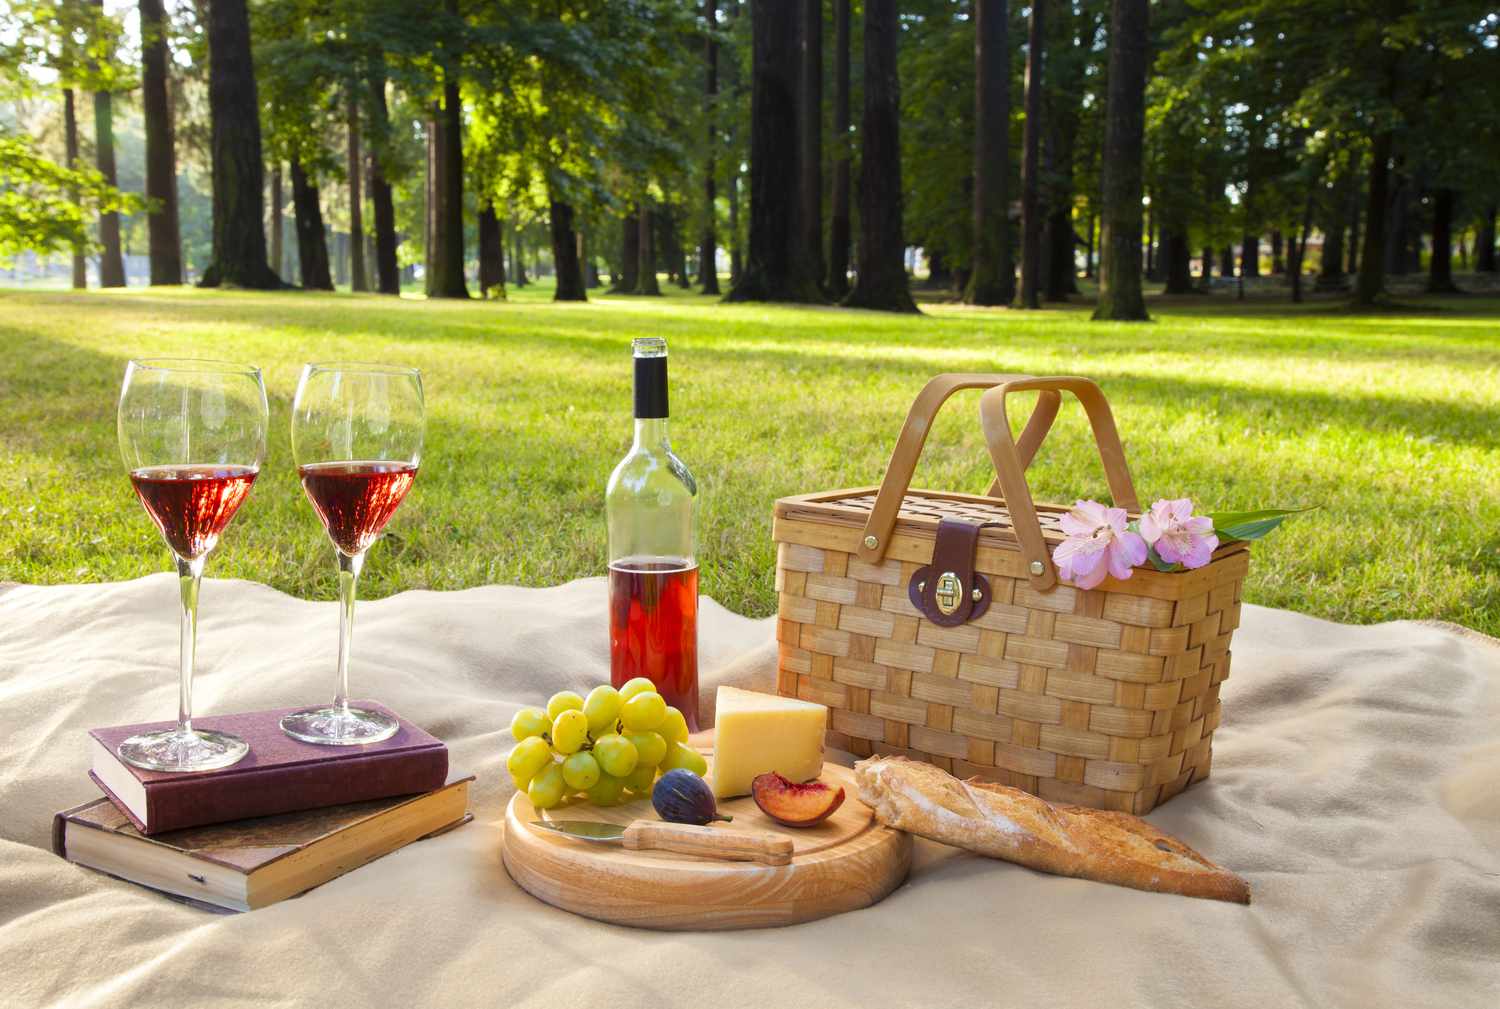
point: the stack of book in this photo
(286, 818)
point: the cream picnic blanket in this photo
(1356, 784)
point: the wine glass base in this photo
(174, 750)
(330, 726)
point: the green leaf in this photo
(1251, 525)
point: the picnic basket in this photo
(980, 661)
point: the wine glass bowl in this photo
(192, 437)
(357, 432)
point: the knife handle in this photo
(709, 842)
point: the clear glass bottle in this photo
(653, 567)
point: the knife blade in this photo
(681, 838)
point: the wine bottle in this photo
(653, 567)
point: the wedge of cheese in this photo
(756, 733)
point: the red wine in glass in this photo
(191, 505)
(355, 500)
(653, 628)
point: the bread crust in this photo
(1013, 825)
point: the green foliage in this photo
(46, 207)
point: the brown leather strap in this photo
(1010, 463)
(949, 592)
(903, 463)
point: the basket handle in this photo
(924, 408)
(1011, 460)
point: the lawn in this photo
(1390, 424)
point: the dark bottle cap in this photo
(650, 377)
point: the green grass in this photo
(1389, 423)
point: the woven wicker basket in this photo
(1107, 698)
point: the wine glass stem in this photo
(348, 574)
(189, 578)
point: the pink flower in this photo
(1098, 543)
(1179, 536)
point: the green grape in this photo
(529, 722)
(580, 771)
(686, 757)
(529, 756)
(617, 756)
(607, 791)
(674, 727)
(643, 712)
(570, 731)
(639, 685)
(650, 745)
(520, 783)
(641, 779)
(546, 789)
(602, 708)
(563, 700)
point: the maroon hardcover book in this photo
(279, 774)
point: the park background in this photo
(1266, 228)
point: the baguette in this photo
(1013, 825)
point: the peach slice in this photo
(794, 805)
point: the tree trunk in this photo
(1088, 252)
(630, 256)
(1151, 266)
(810, 134)
(646, 280)
(1179, 262)
(278, 212)
(1250, 255)
(491, 255)
(239, 238)
(837, 282)
(991, 273)
(111, 263)
(359, 280)
(70, 137)
(431, 174)
(1206, 270)
(1299, 240)
(1394, 251)
(387, 273)
(518, 258)
(164, 237)
(708, 248)
(1061, 114)
(1440, 269)
(1031, 208)
(939, 276)
(565, 254)
(1484, 242)
(676, 250)
(312, 242)
(777, 268)
(882, 281)
(1120, 296)
(447, 279)
(1278, 265)
(1226, 262)
(1369, 284)
(1335, 227)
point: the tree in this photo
(388, 277)
(810, 134)
(358, 278)
(46, 207)
(446, 277)
(708, 248)
(1031, 208)
(882, 282)
(239, 242)
(628, 278)
(646, 279)
(312, 244)
(164, 234)
(839, 232)
(570, 283)
(777, 268)
(70, 131)
(111, 263)
(1120, 296)
(1440, 268)
(992, 276)
(491, 254)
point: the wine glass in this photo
(192, 436)
(357, 437)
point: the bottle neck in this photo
(651, 433)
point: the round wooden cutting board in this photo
(846, 862)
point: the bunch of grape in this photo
(606, 745)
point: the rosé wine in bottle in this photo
(653, 569)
